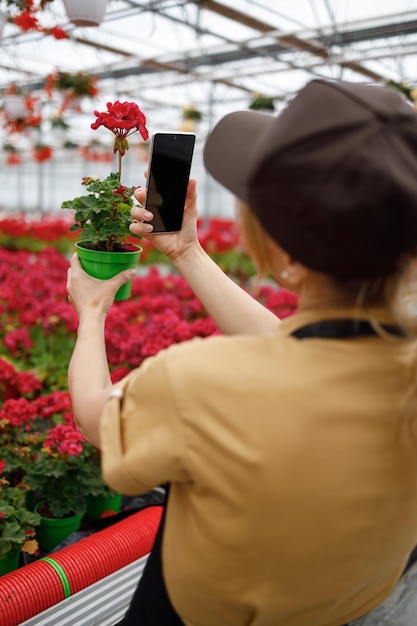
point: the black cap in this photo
(332, 179)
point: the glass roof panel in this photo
(212, 54)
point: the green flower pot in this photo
(10, 561)
(97, 505)
(54, 530)
(105, 265)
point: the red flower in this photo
(121, 191)
(26, 21)
(2, 466)
(108, 513)
(7, 371)
(18, 341)
(13, 159)
(18, 412)
(27, 382)
(57, 32)
(57, 402)
(122, 118)
(65, 439)
(42, 153)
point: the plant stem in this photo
(120, 168)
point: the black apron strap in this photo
(344, 329)
(150, 604)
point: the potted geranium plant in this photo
(59, 475)
(102, 216)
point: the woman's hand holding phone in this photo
(173, 245)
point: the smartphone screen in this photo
(167, 179)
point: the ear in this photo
(296, 274)
(287, 271)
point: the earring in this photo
(284, 274)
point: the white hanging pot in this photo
(14, 107)
(85, 12)
(3, 21)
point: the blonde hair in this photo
(394, 291)
(252, 236)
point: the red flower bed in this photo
(38, 325)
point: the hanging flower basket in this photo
(42, 153)
(14, 107)
(191, 113)
(262, 103)
(20, 112)
(85, 12)
(73, 87)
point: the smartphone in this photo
(169, 169)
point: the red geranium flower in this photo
(123, 119)
(121, 191)
(65, 439)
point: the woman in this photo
(289, 447)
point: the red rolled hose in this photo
(37, 586)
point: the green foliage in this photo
(18, 4)
(406, 90)
(103, 216)
(262, 103)
(50, 355)
(191, 113)
(236, 264)
(79, 83)
(95, 484)
(63, 482)
(15, 518)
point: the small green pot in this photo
(105, 265)
(97, 505)
(52, 531)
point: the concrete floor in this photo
(400, 608)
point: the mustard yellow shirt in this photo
(293, 471)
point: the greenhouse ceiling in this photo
(212, 55)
